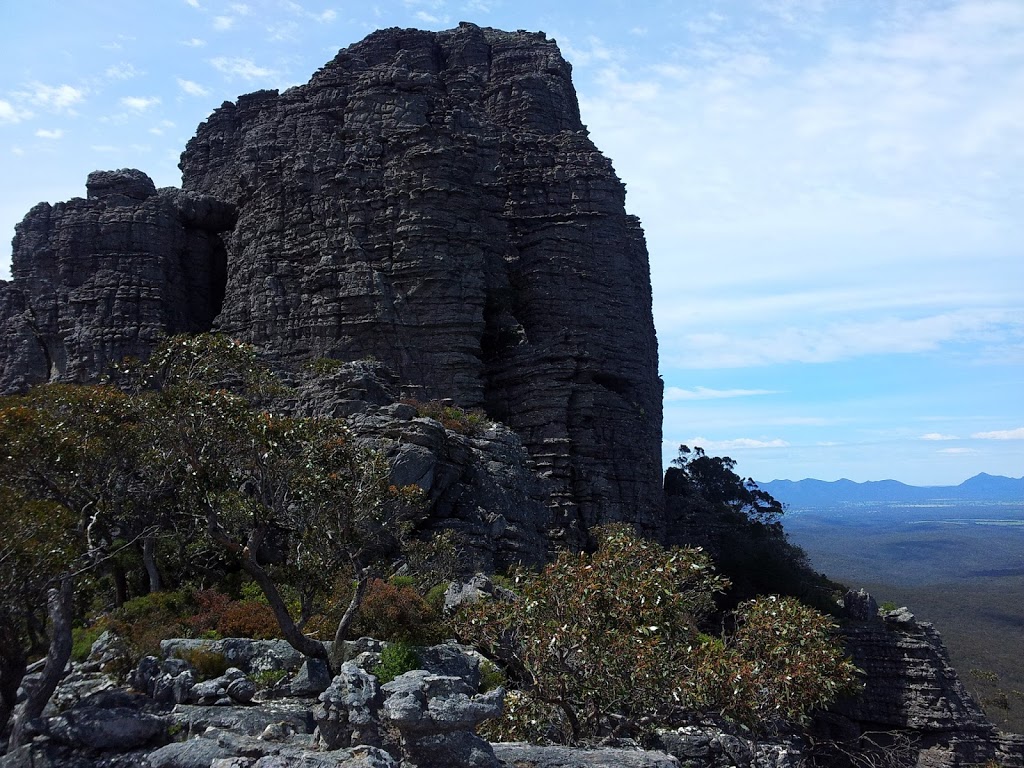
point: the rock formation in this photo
(105, 277)
(428, 199)
(912, 702)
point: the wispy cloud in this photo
(140, 103)
(58, 98)
(193, 3)
(938, 436)
(122, 71)
(739, 442)
(10, 114)
(223, 23)
(192, 88)
(44, 133)
(1001, 434)
(704, 393)
(956, 451)
(194, 42)
(161, 127)
(104, 148)
(245, 69)
(838, 341)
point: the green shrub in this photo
(396, 659)
(268, 678)
(324, 366)
(491, 676)
(402, 581)
(207, 664)
(465, 422)
(609, 644)
(82, 639)
(435, 598)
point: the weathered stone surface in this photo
(523, 755)
(437, 717)
(100, 278)
(348, 712)
(433, 200)
(119, 728)
(911, 693)
(312, 679)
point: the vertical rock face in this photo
(104, 277)
(433, 200)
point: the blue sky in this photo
(832, 191)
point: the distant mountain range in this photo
(819, 493)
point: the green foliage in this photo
(396, 659)
(207, 664)
(466, 422)
(398, 613)
(402, 581)
(268, 678)
(712, 478)
(710, 506)
(324, 366)
(491, 676)
(609, 645)
(435, 598)
(604, 638)
(82, 639)
(783, 661)
(145, 621)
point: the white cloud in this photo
(739, 442)
(240, 8)
(838, 340)
(193, 3)
(161, 127)
(192, 88)
(704, 393)
(10, 114)
(140, 103)
(17, 151)
(327, 16)
(122, 71)
(57, 98)
(223, 23)
(43, 133)
(243, 68)
(194, 42)
(427, 18)
(938, 436)
(956, 451)
(1001, 434)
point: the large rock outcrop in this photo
(428, 199)
(105, 277)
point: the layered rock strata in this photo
(100, 278)
(433, 200)
(428, 199)
(913, 704)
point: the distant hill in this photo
(819, 493)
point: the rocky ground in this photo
(271, 707)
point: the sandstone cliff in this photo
(107, 276)
(428, 199)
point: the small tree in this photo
(67, 477)
(295, 499)
(612, 643)
(712, 479)
(606, 638)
